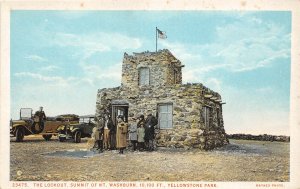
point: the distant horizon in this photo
(245, 133)
(67, 56)
(256, 134)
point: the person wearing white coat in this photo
(133, 133)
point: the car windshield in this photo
(87, 120)
(25, 113)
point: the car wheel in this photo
(62, 139)
(47, 137)
(20, 134)
(77, 137)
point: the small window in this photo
(206, 111)
(144, 76)
(165, 116)
(175, 76)
(218, 117)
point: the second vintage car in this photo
(76, 131)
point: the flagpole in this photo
(156, 37)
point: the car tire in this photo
(47, 137)
(62, 139)
(20, 133)
(77, 137)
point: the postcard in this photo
(151, 94)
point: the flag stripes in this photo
(161, 34)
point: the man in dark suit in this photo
(39, 118)
(151, 121)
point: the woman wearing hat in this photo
(121, 135)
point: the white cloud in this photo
(83, 48)
(94, 43)
(97, 42)
(95, 73)
(49, 68)
(214, 83)
(81, 41)
(252, 43)
(244, 45)
(54, 80)
(36, 58)
(113, 72)
(268, 90)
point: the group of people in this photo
(139, 131)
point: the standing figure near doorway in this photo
(106, 143)
(141, 134)
(132, 132)
(141, 124)
(112, 133)
(98, 133)
(121, 134)
(151, 122)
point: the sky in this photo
(59, 59)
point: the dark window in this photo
(175, 76)
(206, 112)
(218, 117)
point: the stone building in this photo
(189, 115)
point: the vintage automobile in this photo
(76, 131)
(27, 125)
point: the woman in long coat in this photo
(121, 134)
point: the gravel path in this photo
(36, 159)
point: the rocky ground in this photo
(242, 160)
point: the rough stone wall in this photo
(188, 101)
(174, 73)
(161, 64)
(189, 130)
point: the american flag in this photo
(161, 34)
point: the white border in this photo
(257, 5)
